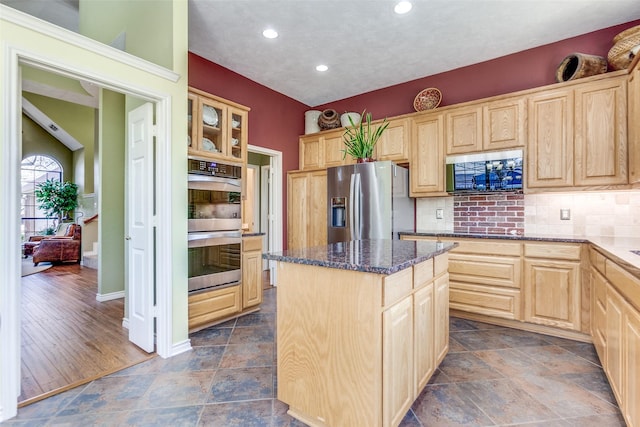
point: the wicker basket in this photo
(619, 56)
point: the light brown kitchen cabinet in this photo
(633, 123)
(504, 124)
(552, 285)
(397, 341)
(394, 142)
(251, 271)
(615, 351)
(631, 409)
(218, 128)
(550, 139)
(600, 137)
(322, 150)
(423, 313)
(463, 129)
(306, 209)
(207, 307)
(599, 313)
(427, 170)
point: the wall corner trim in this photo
(110, 296)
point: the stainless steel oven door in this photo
(214, 203)
(214, 260)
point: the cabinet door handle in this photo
(127, 238)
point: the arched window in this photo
(36, 169)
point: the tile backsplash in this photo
(606, 213)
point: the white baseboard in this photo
(125, 322)
(180, 347)
(109, 296)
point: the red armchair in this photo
(60, 249)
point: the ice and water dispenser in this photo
(339, 212)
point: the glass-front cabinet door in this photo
(192, 129)
(238, 138)
(213, 121)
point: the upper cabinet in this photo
(550, 139)
(600, 138)
(464, 129)
(322, 150)
(487, 126)
(577, 135)
(633, 123)
(394, 142)
(427, 170)
(218, 128)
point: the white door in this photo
(265, 213)
(139, 226)
(269, 202)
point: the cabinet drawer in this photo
(397, 286)
(440, 264)
(422, 273)
(251, 244)
(487, 247)
(624, 282)
(206, 307)
(597, 260)
(552, 251)
(487, 300)
(485, 270)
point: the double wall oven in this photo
(215, 224)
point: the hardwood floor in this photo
(69, 338)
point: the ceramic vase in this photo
(344, 119)
(311, 121)
(329, 119)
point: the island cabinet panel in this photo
(550, 139)
(397, 368)
(427, 171)
(424, 331)
(600, 142)
(352, 356)
(631, 407)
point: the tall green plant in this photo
(360, 140)
(56, 198)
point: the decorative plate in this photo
(427, 99)
(209, 115)
(207, 145)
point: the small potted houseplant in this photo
(57, 198)
(360, 139)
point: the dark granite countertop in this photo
(533, 237)
(369, 256)
(619, 249)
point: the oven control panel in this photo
(207, 167)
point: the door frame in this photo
(275, 245)
(13, 57)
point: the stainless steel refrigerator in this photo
(368, 201)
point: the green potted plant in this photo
(360, 139)
(57, 198)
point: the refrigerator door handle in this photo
(358, 207)
(352, 207)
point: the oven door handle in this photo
(236, 182)
(214, 238)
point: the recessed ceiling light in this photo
(270, 33)
(402, 7)
(322, 67)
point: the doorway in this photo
(124, 79)
(267, 164)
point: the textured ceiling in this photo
(368, 47)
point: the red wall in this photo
(523, 70)
(276, 120)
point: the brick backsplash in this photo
(495, 213)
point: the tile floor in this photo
(491, 376)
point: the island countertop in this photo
(369, 256)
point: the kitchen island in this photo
(361, 327)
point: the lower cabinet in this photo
(552, 285)
(207, 307)
(251, 271)
(306, 209)
(615, 353)
(631, 408)
(599, 313)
